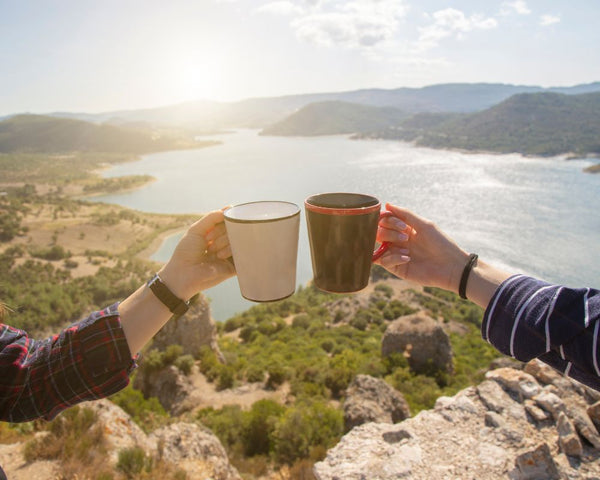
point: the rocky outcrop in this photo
(519, 424)
(370, 399)
(120, 431)
(195, 450)
(422, 340)
(189, 446)
(192, 331)
(169, 386)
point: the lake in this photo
(531, 215)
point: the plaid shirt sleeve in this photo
(86, 361)
(528, 318)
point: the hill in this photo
(259, 112)
(541, 124)
(334, 117)
(37, 133)
(536, 124)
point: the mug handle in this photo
(377, 254)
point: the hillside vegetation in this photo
(38, 133)
(541, 124)
(332, 118)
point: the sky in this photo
(105, 55)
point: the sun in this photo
(206, 74)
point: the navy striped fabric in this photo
(529, 318)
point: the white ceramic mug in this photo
(264, 242)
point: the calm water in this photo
(538, 216)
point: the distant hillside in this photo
(261, 112)
(37, 133)
(535, 124)
(332, 118)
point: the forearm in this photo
(483, 282)
(86, 361)
(143, 314)
(528, 318)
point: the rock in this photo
(537, 465)
(497, 400)
(535, 412)
(518, 382)
(120, 431)
(551, 403)
(492, 419)
(593, 412)
(485, 432)
(506, 362)
(370, 399)
(584, 426)
(195, 450)
(192, 331)
(547, 375)
(169, 385)
(567, 437)
(397, 451)
(422, 340)
(493, 397)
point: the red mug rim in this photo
(342, 210)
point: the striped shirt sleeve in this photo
(86, 361)
(529, 318)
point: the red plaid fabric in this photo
(86, 361)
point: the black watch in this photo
(176, 305)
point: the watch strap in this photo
(176, 305)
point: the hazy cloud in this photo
(451, 23)
(517, 6)
(547, 20)
(280, 8)
(358, 23)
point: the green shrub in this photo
(255, 373)
(385, 289)
(276, 376)
(132, 461)
(304, 427)
(185, 364)
(148, 413)
(260, 425)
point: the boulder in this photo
(120, 431)
(501, 428)
(192, 331)
(537, 464)
(168, 385)
(370, 399)
(422, 340)
(567, 437)
(195, 450)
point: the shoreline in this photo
(155, 245)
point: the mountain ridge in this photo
(259, 112)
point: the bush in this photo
(185, 364)
(386, 290)
(132, 461)
(260, 425)
(255, 373)
(277, 375)
(226, 378)
(148, 413)
(304, 427)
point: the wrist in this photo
(176, 281)
(484, 280)
(456, 271)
